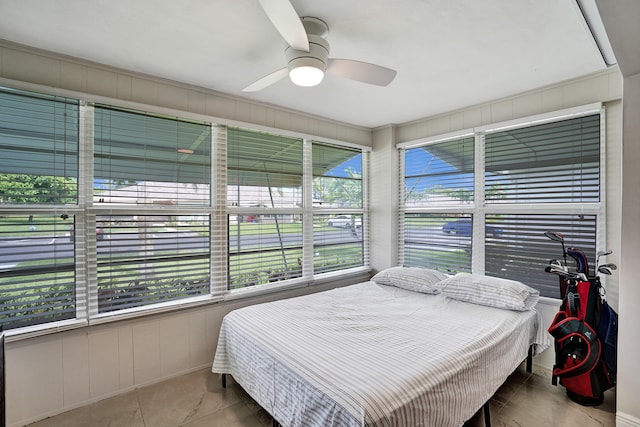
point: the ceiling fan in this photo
(308, 52)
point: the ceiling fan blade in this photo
(361, 71)
(286, 20)
(267, 80)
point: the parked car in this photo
(463, 227)
(345, 221)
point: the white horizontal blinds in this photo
(264, 195)
(38, 173)
(264, 248)
(519, 250)
(366, 196)
(37, 284)
(264, 170)
(152, 198)
(337, 176)
(338, 240)
(439, 174)
(149, 259)
(556, 162)
(38, 149)
(219, 225)
(144, 159)
(554, 165)
(438, 241)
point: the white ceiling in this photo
(448, 54)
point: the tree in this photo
(36, 189)
(345, 191)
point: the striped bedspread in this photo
(372, 355)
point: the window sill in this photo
(319, 279)
(139, 312)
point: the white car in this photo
(345, 221)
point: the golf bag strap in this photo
(564, 328)
(573, 303)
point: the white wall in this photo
(383, 200)
(628, 343)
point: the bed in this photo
(408, 348)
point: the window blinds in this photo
(520, 251)
(535, 178)
(556, 162)
(38, 173)
(264, 192)
(438, 241)
(152, 201)
(439, 174)
(38, 149)
(144, 159)
(338, 237)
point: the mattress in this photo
(372, 355)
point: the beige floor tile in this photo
(75, 417)
(511, 386)
(542, 404)
(198, 399)
(189, 397)
(118, 411)
(238, 415)
(478, 419)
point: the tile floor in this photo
(197, 399)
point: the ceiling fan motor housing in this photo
(316, 57)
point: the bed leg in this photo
(487, 414)
(530, 359)
(224, 380)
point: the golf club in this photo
(604, 270)
(557, 237)
(602, 253)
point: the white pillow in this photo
(490, 291)
(411, 278)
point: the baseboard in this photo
(626, 420)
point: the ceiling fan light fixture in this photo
(306, 75)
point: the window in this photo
(533, 178)
(438, 182)
(108, 212)
(273, 211)
(439, 174)
(555, 164)
(521, 251)
(38, 196)
(338, 241)
(438, 241)
(264, 195)
(151, 194)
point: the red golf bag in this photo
(585, 334)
